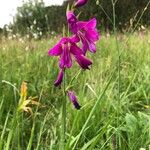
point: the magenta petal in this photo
(65, 59)
(88, 41)
(75, 50)
(73, 99)
(75, 39)
(80, 3)
(88, 45)
(83, 61)
(91, 24)
(81, 24)
(56, 50)
(92, 35)
(71, 18)
(59, 78)
(85, 45)
(92, 47)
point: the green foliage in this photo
(30, 18)
(110, 124)
(35, 19)
(127, 13)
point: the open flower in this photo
(85, 30)
(73, 99)
(80, 3)
(67, 48)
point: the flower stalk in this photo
(63, 115)
(69, 48)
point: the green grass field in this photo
(115, 113)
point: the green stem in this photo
(63, 117)
(1, 75)
(12, 131)
(118, 50)
(119, 69)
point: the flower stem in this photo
(63, 116)
(117, 140)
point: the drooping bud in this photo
(73, 99)
(59, 78)
(80, 3)
(71, 18)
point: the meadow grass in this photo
(101, 118)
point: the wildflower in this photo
(66, 48)
(80, 3)
(24, 101)
(59, 78)
(72, 20)
(85, 30)
(73, 99)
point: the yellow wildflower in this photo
(24, 101)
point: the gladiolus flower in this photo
(59, 78)
(72, 20)
(85, 30)
(73, 99)
(80, 3)
(66, 48)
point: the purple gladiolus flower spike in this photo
(66, 48)
(80, 3)
(59, 78)
(85, 30)
(73, 99)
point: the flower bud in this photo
(59, 78)
(80, 3)
(73, 99)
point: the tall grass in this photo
(97, 91)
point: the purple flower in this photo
(66, 48)
(72, 20)
(80, 3)
(73, 99)
(59, 78)
(85, 30)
